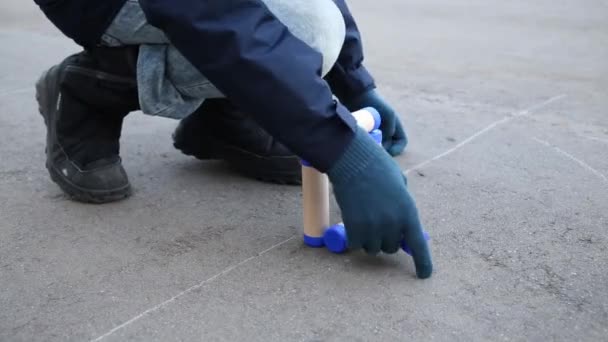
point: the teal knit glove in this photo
(394, 138)
(377, 209)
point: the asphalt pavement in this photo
(506, 108)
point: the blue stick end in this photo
(377, 136)
(376, 115)
(335, 239)
(313, 241)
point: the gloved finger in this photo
(387, 144)
(354, 240)
(421, 255)
(373, 246)
(391, 242)
(399, 140)
(388, 130)
(413, 236)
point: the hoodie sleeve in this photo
(253, 59)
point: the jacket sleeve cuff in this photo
(331, 140)
(361, 151)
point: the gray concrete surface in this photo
(508, 101)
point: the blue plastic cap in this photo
(376, 115)
(313, 241)
(377, 136)
(335, 239)
(407, 249)
(305, 163)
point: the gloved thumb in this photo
(398, 140)
(388, 127)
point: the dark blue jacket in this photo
(254, 60)
(349, 77)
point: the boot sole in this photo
(43, 89)
(265, 169)
(86, 195)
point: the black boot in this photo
(218, 130)
(83, 101)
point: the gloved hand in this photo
(377, 210)
(394, 138)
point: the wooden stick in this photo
(315, 188)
